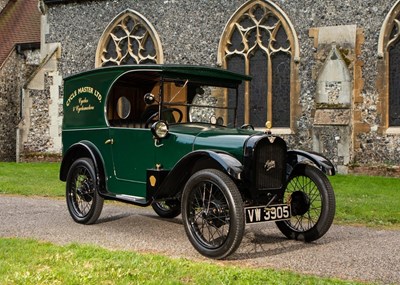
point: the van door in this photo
(132, 154)
(132, 146)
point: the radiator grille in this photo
(270, 164)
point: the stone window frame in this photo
(295, 108)
(158, 58)
(383, 79)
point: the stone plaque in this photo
(339, 117)
(334, 83)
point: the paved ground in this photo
(345, 252)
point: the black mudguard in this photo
(78, 150)
(195, 161)
(299, 157)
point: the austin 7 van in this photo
(167, 136)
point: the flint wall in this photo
(190, 32)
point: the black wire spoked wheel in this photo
(167, 209)
(312, 204)
(212, 213)
(83, 200)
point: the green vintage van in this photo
(166, 136)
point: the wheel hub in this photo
(84, 191)
(300, 203)
(214, 214)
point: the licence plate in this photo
(261, 214)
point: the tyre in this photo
(212, 213)
(167, 209)
(312, 204)
(83, 200)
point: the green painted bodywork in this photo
(185, 138)
(134, 150)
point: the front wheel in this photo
(312, 202)
(83, 200)
(212, 213)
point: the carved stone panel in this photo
(334, 84)
(338, 117)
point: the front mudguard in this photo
(297, 158)
(193, 162)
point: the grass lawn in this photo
(367, 200)
(31, 262)
(39, 179)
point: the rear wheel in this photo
(167, 209)
(212, 213)
(312, 202)
(83, 200)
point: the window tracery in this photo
(260, 41)
(129, 39)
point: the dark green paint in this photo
(133, 150)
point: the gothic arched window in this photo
(259, 41)
(129, 39)
(389, 51)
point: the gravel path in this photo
(353, 253)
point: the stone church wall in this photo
(13, 75)
(190, 32)
(38, 139)
(40, 128)
(9, 108)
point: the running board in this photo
(138, 201)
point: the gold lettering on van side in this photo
(83, 105)
(83, 90)
(71, 97)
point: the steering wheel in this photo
(170, 118)
(247, 127)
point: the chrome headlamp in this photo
(160, 129)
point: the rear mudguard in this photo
(78, 150)
(174, 182)
(299, 157)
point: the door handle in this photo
(109, 141)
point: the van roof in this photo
(206, 74)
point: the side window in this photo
(125, 107)
(176, 93)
